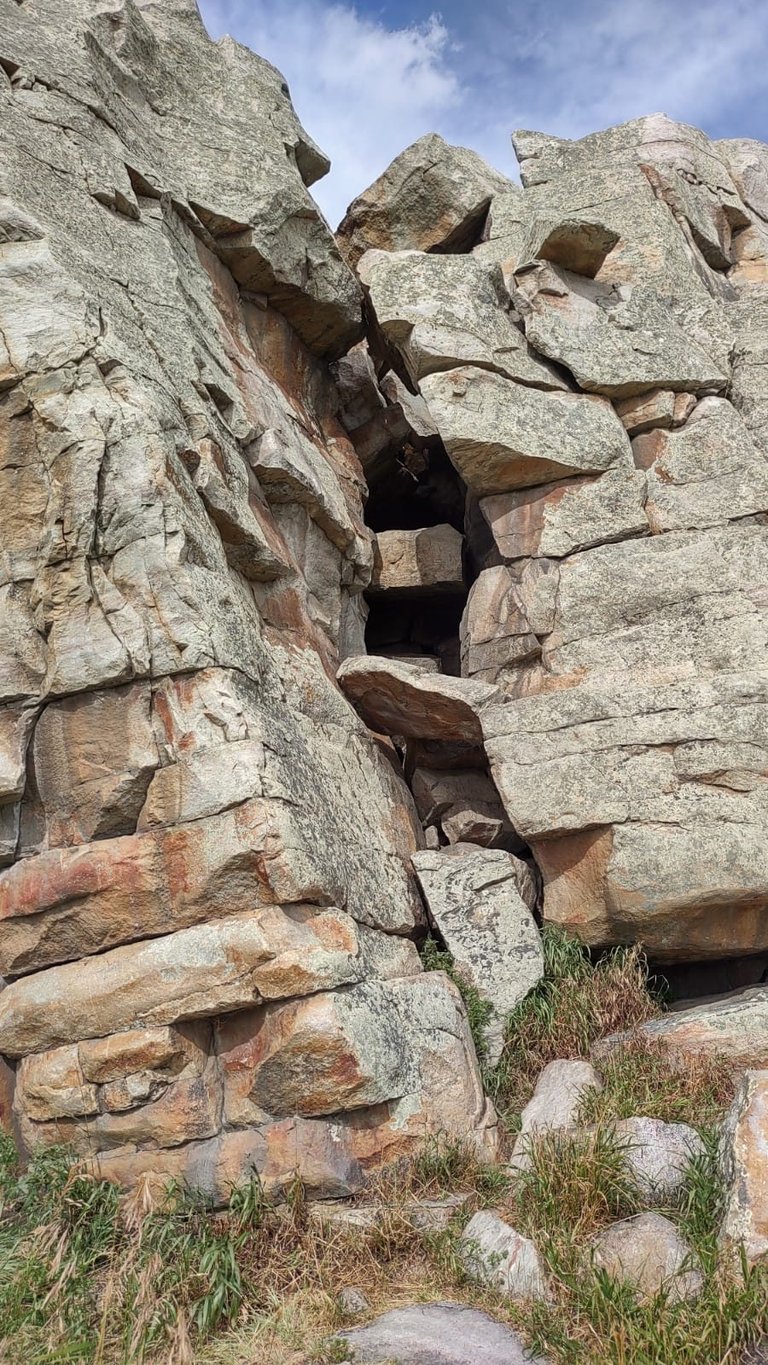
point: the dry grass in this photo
(574, 1004)
(642, 1077)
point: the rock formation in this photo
(307, 567)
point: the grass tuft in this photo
(575, 1003)
(641, 1077)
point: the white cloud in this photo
(568, 67)
(363, 91)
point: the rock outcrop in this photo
(207, 905)
(323, 558)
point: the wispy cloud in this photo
(365, 88)
(364, 91)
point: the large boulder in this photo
(433, 197)
(744, 1168)
(436, 1334)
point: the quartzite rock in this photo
(658, 1155)
(437, 1334)
(474, 898)
(497, 1255)
(398, 699)
(736, 1028)
(744, 1168)
(423, 561)
(437, 312)
(648, 1253)
(433, 197)
(555, 1104)
(502, 436)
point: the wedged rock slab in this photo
(475, 898)
(496, 631)
(433, 196)
(437, 312)
(502, 436)
(708, 473)
(659, 408)
(648, 1253)
(735, 1028)
(558, 519)
(461, 799)
(397, 699)
(744, 1168)
(428, 560)
(437, 1334)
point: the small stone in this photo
(648, 1252)
(495, 1254)
(437, 1334)
(658, 1154)
(554, 1106)
(352, 1302)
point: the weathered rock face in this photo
(508, 498)
(184, 791)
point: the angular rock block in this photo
(497, 1255)
(735, 1027)
(744, 1168)
(554, 1106)
(417, 562)
(502, 436)
(438, 312)
(398, 699)
(475, 899)
(433, 197)
(658, 1155)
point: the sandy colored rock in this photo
(736, 1028)
(474, 900)
(501, 436)
(433, 196)
(557, 519)
(648, 1253)
(659, 408)
(744, 1168)
(496, 1255)
(611, 342)
(427, 560)
(555, 1104)
(398, 699)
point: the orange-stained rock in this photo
(744, 1168)
(398, 699)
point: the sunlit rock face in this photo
(448, 534)
(206, 901)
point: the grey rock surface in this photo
(474, 899)
(658, 1155)
(648, 1252)
(437, 1334)
(555, 1104)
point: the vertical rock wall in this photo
(206, 897)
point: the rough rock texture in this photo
(658, 1154)
(240, 485)
(735, 1027)
(495, 1254)
(433, 197)
(206, 856)
(648, 1252)
(555, 1104)
(437, 1334)
(744, 1168)
(474, 899)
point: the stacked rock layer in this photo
(327, 563)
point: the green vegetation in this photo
(89, 1276)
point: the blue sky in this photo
(368, 78)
